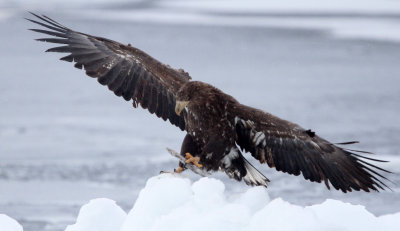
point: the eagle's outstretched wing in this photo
(294, 150)
(127, 71)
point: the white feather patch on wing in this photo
(258, 137)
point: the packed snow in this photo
(172, 202)
(100, 215)
(9, 224)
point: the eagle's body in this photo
(218, 127)
(211, 130)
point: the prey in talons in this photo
(183, 165)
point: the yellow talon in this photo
(188, 155)
(193, 160)
(178, 170)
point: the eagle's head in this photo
(191, 94)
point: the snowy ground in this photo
(174, 203)
(65, 140)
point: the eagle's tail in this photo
(236, 166)
(254, 177)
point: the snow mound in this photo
(9, 224)
(171, 202)
(99, 214)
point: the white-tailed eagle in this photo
(219, 128)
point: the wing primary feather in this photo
(348, 142)
(53, 40)
(68, 58)
(54, 22)
(368, 158)
(376, 179)
(57, 34)
(69, 49)
(78, 65)
(92, 61)
(47, 26)
(352, 150)
(374, 166)
(49, 20)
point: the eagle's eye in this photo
(183, 95)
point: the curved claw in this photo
(179, 170)
(193, 160)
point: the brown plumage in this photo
(218, 127)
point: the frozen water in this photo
(307, 6)
(100, 215)
(370, 19)
(9, 224)
(170, 202)
(289, 6)
(43, 4)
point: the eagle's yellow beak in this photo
(180, 105)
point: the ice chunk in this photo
(9, 224)
(171, 202)
(100, 215)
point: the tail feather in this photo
(254, 177)
(236, 166)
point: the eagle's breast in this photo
(209, 120)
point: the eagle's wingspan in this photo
(294, 150)
(127, 71)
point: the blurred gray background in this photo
(65, 139)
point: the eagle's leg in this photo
(189, 150)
